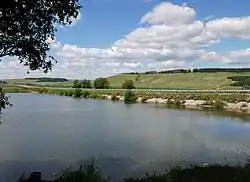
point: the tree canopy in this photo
(82, 84)
(26, 25)
(101, 83)
(128, 84)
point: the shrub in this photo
(77, 92)
(70, 93)
(61, 93)
(94, 96)
(101, 83)
(128, 84)
(144, 99)
(129, 96)
(219, 104)
(114, 97)
(170, 102)
(85, 94)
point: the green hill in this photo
(179, 80)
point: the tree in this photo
(26, 26)
(76, 84)
(86, 83)
(101, 83)
(3, 100)
(128, 84)
(129, 96)
(77, 92)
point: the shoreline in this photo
(230, 102)
(243, 106)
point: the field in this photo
(179, 80)
(43, 84)
(209, 81)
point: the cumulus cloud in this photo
(238, 57)
(172, 38)
(238, 27)
(169, 14)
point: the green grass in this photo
(156, 81)
(178, 80)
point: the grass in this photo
(156, 81)
(178, 80)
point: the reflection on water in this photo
(46, 133)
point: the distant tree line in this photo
(196, 70)
(46, 79)
(101, 83)
(221, 70)
(240, 81)
(3, 82)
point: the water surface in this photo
(45, 133)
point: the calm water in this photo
(46, 133)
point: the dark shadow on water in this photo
(113, 167)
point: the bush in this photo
(101, 83)
(144, 99)
(85, 94)
(219, 104)
(61, 93)
(94, 96)
(77, 92)
(128, 84)
(114, 97)
(129, 96)
(70, 93)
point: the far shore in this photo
(237, 102)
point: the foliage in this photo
(240, 81)
(4, 100)
(86, 83)
(219, 104)
(128, 84)
(114, 97)
(76, 84)
(101, 83)
(197, 70)
(144, 99)
(77, 92)
(85, 94)
(129, 96)
(3, 82)
(87, 173)
(27, 25)
(190, 173)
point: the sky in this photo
(117, 36)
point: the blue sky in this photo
(115, 36)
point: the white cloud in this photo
(239, 57)
(238, 27)
(132, 65)
(169, 14)
(174, 39)
(169, 64)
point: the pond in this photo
(46, 133)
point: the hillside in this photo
(189, 80)
(179, 80)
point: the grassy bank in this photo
(237, 101)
